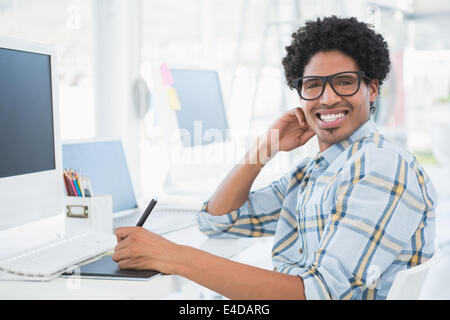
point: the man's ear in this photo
(373, 90)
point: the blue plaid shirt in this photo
(346, 221)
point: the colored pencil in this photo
(73, 184)
(77, 183)
(65, 184)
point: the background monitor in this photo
(190, 109)
(201, 103)
(30, 162)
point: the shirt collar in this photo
(336, 149)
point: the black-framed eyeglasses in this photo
(345, 84)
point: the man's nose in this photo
(329, 97)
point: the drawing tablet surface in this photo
(106, 268)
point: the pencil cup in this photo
(88, 213)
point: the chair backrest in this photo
(408, 283)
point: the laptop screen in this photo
(105, 164)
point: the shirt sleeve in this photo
(257, 217)
(380, 201)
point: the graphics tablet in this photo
(106, 268)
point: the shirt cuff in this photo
(214, 226)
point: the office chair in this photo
(408, 283)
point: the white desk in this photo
(75, 288)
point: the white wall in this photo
(117, 41)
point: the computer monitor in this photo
(201, 108)
(191, 111)
(30, 162)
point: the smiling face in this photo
(332, 117)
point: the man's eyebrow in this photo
(309, 78)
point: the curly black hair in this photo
(348, 35)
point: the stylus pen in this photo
(146, 213)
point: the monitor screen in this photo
(26, 115)
(201, 105)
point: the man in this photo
(345, 222)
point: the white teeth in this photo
(331, 117)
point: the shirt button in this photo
(300, 251)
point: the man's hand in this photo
(289, 132)
(139, 249)
(294, 131)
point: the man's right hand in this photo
(289, 132)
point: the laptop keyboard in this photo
(164, 218)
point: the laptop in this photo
(104, 162)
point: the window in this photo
(68, 25)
